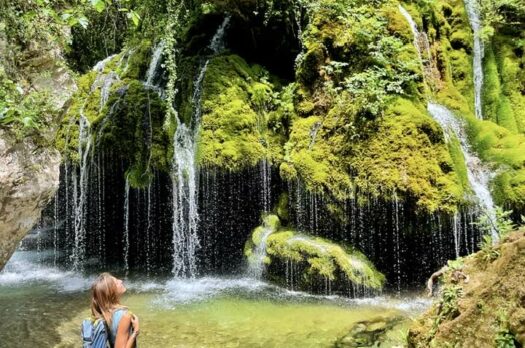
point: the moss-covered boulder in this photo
(320, 257)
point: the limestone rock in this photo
(29, 177)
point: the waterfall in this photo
(148, 230)
(101, 65)
(256, 265)
(478, 175)
(126, 225)
(457, 232)
(154, 64)
(422, 45)
(472, 8)
(84, 147)
(265, 171)
(55, 229)
(105, 88)
(420, 39)
(184, 176)
(217, 42)
(397, 246)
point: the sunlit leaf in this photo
(83, 21)
(98, 5)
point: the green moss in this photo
(491, 85)
(509, 187)
(282, 207)
(237, 110)
(460, 168)
(322, 257)
(511, 112)
(407, 154)
(497, 91)
(129, 123)
(135, 61)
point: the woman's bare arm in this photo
(124, 339)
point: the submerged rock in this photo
(368, 333)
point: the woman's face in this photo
(120, 286)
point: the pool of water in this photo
(43, 307)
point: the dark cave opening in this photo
(273, 43)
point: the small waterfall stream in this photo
(184, 174)
(81, 191)
(256, 266)
(472, 8)
(126, 226)
(478, 175)
(154, 64)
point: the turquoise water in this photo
(43, 307)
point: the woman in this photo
(123, 326)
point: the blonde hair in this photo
(104, 297)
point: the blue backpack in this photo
(94, 334)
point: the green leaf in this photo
(83, 21)
(98, 5)
(134, 16)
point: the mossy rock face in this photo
(353, 118)
(230, 137)
(124, 117)
(243, 115)
(504, 83)
(320, 257)
(341, 144)
(402, 152)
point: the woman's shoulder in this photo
(119, 313)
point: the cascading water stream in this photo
(422, 46)
(126, 226)
(478, 175)
(154, 65)
(265, 171)
(420, 39)
(472, 8)
(84, 148)
(397, 246)
(184, 176)
(256, 266)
